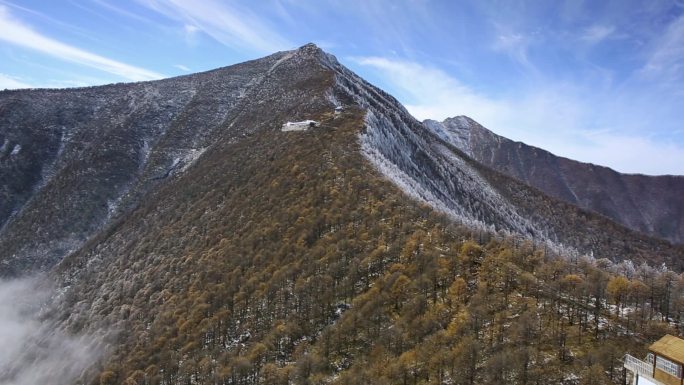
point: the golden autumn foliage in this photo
(328, 274)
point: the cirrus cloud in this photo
(16, 32)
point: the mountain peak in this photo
(309, 46)
(310, 49)
(636, 201)
(461, 121)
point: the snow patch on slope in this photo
(392, 171)
(453, 186)
(190, 157)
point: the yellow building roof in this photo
(669, 347)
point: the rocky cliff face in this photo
(652, 205)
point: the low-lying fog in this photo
(32, 349)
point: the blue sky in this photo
(597, 81)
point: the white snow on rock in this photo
(285, 57)
(16, 149)
(456, 131)
(191, 157)
(419, 161)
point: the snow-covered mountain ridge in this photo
(434, 165)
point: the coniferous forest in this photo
(332, 276)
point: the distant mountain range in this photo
(653, 205)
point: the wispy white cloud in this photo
(9, 82)
(45, 18)
(666, 58)
(122, 11)
(227, 23)
(182, 67)
(16, 32)
(554, 117)
(191, 34)
(190, 29)
(515, 45)
(597, 33)
(35, 350)
(627, 153)
(50, 76)
(430, 92)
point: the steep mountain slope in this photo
(316, 257)
(432, 170)
(649, 204)
(73, 160)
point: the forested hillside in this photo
(85, 156)
(328, 274)
(362, 250)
